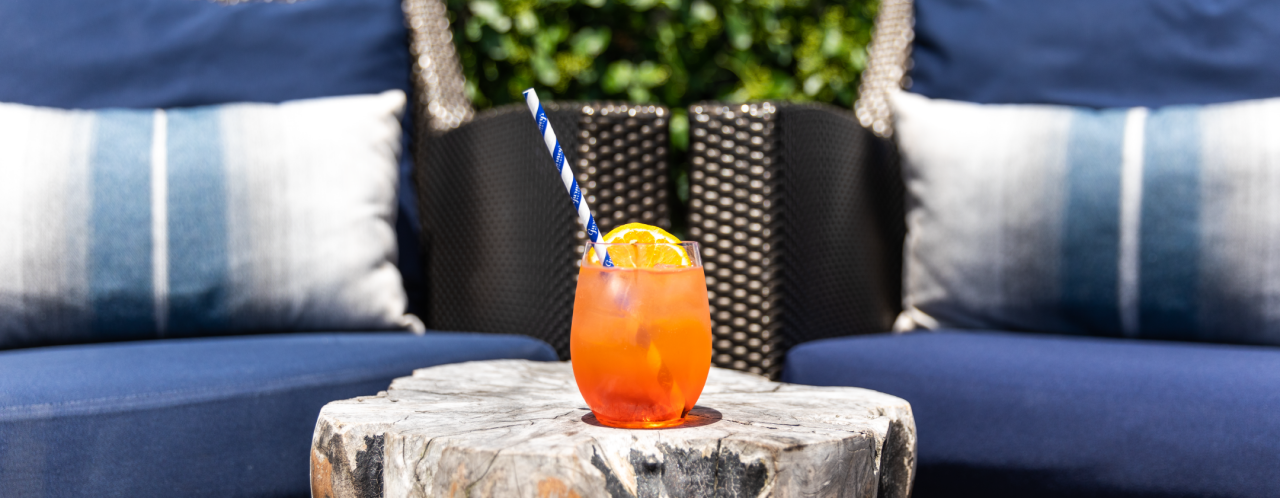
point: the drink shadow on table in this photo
(699, 416)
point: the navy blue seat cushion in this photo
(1097, 53)
(165, 53)
(1003, 414)
(226, 416)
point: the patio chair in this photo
(113, 415)
(804, 207)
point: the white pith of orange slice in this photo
(666, 250)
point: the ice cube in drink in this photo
(642, 361)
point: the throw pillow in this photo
(77, 54)
(1154, 223)
(131, 224)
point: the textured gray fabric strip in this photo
(1091, 228)
(120, 252)
(197, 223)
(1170, 252)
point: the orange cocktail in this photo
(641, 338)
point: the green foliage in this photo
(673, 52)
(670, 52)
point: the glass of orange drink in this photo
(641, 336)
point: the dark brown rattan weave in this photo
(800, 211)
(501, 236)
(733, 213)
(622, 165)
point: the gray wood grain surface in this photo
(515, 428)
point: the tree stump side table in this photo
(515, 428)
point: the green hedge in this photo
(672, 52)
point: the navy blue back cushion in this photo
(177, 53)
(1097, 53)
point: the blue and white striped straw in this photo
(566, 174)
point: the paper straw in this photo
(566, 174)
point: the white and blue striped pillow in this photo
(131, 224)
(1161, 223)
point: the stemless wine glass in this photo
(641, 337)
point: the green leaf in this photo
(679, 128)
(590, 42)
(639, 94)
(526, 22)
(641, 5)
(702, 11)
(474, 29)
(498, 52)
(492, 14)
(739, 29)
(648, 75)
(545, 68)
(485, 9)
(618, 77)
(858, 59)
(813, 84)
(831, 41)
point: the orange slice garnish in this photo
(665, 249)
